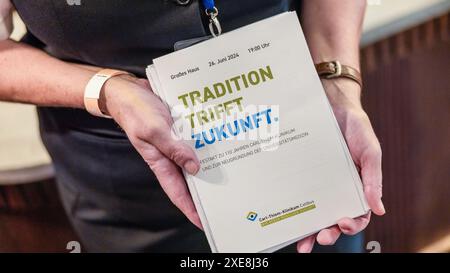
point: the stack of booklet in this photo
(275, 167)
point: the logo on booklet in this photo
(251, 216)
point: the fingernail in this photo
(303, 249)
(191, 167)
(383, 210)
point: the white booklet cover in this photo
(274, 164)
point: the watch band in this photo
(335, 69)
(93, 89)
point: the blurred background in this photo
(405, 52)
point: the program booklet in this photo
(275, 167)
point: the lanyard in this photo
(209, 4)
(212, 12)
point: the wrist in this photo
(334, 70)
(109, 92)
(121, 94)
(343, 94)
(95, 89)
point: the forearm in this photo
(29, 75)
(333, 31)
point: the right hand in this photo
(147, 123)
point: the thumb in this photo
(372, 180)
(177, 151)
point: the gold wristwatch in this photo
(334, 69)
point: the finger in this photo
(351, 226)
(372, 179)
(174, 185)
(306, 245)
(328, 236)
(174, 149)
(143, 83)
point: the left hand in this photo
(344, 96)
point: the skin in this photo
(132, 104)
(335, 36)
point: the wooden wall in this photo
(32, 219)
(407, 96)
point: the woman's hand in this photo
(147, 123)
(344, 96)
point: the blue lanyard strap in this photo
(212, 12)
(208, 4)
